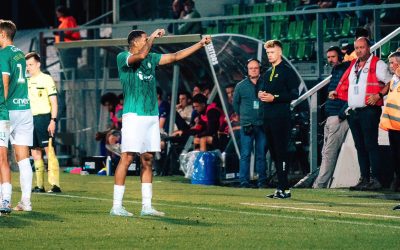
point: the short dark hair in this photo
(109, 97)
(200, 98)
(185, 93)
(159, 91)
(33, 55)
(9, 27)
(338, 51)
(232, 85)
(63, 10)
(134, 34)
(272, 44)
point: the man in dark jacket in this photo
(279, 88)
(336, 126)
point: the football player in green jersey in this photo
(13, 67)
(140, 128)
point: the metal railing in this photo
(313, 94)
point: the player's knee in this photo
(147, 158)
(126, 159)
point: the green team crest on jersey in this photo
(12, 62)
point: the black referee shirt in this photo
(282, 82)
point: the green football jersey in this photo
(139, 84)
(12, 63)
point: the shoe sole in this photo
(121, 215)
(154, 215)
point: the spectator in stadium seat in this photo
(336, 126)
(68, 56)
(278, 89)
(207, 124)
(114, 121)
(66, 21)
(189, 27)
(140, 124)
(250, 110)
(390, 120)
(184, 108)
(177, 12)
(363, 86)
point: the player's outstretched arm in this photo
(144, 51)
(173, 57)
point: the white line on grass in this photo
(320, 210)
(341, 221)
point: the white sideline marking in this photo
(341, 221)
(321, 210)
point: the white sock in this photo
(118, 195)
(25, 179)
(6, 190)
(147, 194)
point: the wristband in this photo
(54, 119)
(380, 95)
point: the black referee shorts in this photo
(40, 134)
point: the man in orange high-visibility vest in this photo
(390, 119)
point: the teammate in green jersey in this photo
(13, 67)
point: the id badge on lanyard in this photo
(256, 105)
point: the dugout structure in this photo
(89, 70)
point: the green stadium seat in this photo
(276, 28)
(300, 50)
(299, 30)
(235, 10)
(313, 30)
(346, 28)
(286, 48)
(292, 4)
(291, 32)
(276, 8)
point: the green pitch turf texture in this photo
(201, 217)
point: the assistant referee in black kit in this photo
(279, 87)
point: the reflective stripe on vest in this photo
(390, 119)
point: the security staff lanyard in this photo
(358, 71)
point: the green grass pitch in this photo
(201, 217)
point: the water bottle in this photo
(108, 165)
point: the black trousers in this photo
(363, 123)
(394, 139)
(277, 131)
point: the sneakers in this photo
(23, 206)
(38, 190)
(373, 185)
(279, 194)
(397, 207)
(151, 212)
(361, 185)
(54, 189)
(5, 207)
(120, 211)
